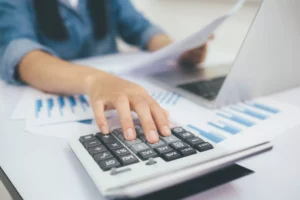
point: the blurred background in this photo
(180, 18)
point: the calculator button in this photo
(158, 144)
(102, 156)
(121, 137)
(163, 149)
(172, 155)
(106, 138)
(114, 145)
(128, 159)
(142, 138)
(184, 135)
(129, 143)
(203, 147)
(139, 130)
(139, 147)
(109, 163)
(117, 132)
(145, 155)
(86, 138)
(170, 139)
(194, 141)
(187, 151)
(96, 149)
(178, 145)
(151, 161)
(91, 143)
(121, 151)
(177, 130)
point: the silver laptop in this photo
(267, 62)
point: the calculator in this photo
(129, 169)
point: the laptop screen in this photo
(206, 80)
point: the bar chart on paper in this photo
(167, 98)
(56, 109)
(234, 120)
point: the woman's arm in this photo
(53, 75)
(106, 91)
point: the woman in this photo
(37, 37)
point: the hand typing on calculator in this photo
(125, 96)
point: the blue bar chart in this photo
(249, 112)
(62, 108)
(38, 107)
(233, 121)
(237, 119)
(167, 97)
(216, 138)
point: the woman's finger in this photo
(160, 118)
(166, 113)
(98, 108)
(141, 107)
(123, 108)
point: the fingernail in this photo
(130, 134)
(153, 135)
(166, 130)
(104, 129)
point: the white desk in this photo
(46, 168)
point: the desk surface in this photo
(46, 168)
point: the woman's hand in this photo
(107, 91)
(193, 57)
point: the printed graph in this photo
(62, 104)
(233, 120)
(167, 97)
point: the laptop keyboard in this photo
(113, 151)
(208, 89)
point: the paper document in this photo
(239, 125)
(50, 109)
(164, 59)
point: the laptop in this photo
(131, 169)
(262, 66)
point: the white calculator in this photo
(131, 169)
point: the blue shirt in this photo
(19, 35)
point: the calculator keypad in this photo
(112, 150)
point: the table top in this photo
(46, 168)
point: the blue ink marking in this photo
(50, 106)
(210, 136)
(251, 113)
(38, 107)
(237, 119)
(72, 102)
(61, 103)
(227, 128)
(265, 108)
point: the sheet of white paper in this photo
(164, 59)
(232, 127)
(237, 126)
(118, 65)
(50, 109)
(75, 129)
(23, 105)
